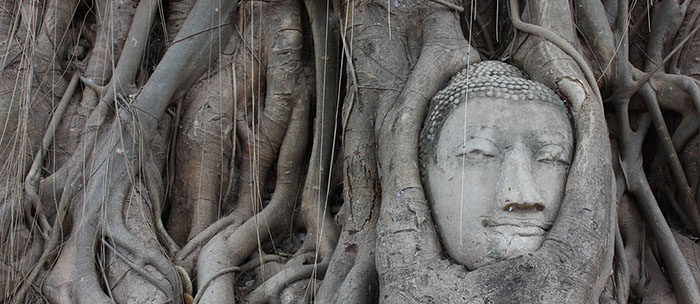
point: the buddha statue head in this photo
(495, 151)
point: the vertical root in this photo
(137, 252)
(203, 153)
(687, 201)
(230, 247)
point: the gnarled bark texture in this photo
(265, 151)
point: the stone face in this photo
(492, 79)
(496, 167)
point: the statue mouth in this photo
(517, 226)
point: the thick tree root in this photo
(260, 122)
(203, 153)
(72, 279)
(93, 231)
(135, 262)
(636, 181)
(243, 240)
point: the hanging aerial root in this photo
(31, 182)
(30, 91)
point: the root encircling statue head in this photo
(495, 151)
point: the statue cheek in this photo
(497, 248)
(551, 184)
(481, 187)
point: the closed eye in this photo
(477, 153)
(556, 161)
(553, 154)
(478, 148)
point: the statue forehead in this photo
(504, 121)
(487, 80)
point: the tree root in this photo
(179, 9)
(137, 251)
(622, 275)
(322, 231)
(51, 244)
(261, 140)
(27, 105)
(260, 130)
(114, 159)
(89, 232)
(631, 163)
(406, 235)
(299, 268)
(154, 188)
(71, 279)
(216, 254)
(81, 246)
(31, 186)
(631, 141)
(206, 284)
(666, 19)
(556, 40)
(361, 192)
(203, 153)
(669, 151)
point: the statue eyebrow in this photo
(551, 137)
(460, 146)
(479, 132)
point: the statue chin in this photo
(498, 246)
(497, 175)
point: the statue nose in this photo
(517, 191)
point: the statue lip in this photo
(520, 226)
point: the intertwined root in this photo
(93, 231)
(99, 187)
(279, 122)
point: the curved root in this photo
(296, 269)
